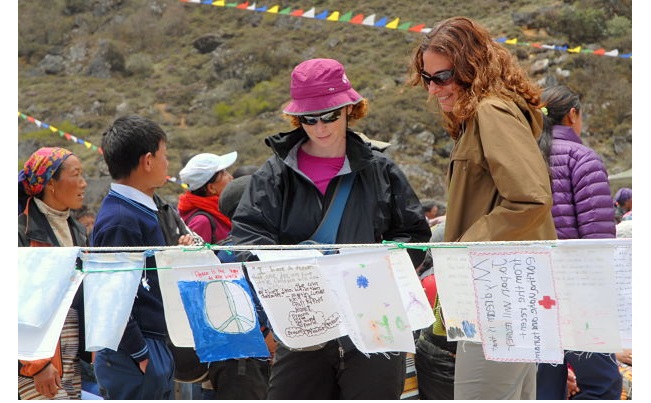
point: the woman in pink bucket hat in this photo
(286, 201)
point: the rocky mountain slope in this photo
(216, 77)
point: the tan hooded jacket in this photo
(498, 183)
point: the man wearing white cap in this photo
(206, 176)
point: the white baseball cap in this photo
(198, 171)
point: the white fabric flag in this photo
(411, 290)
(267, 255)
(110, 288)
(188, 265)
(587, 293)
(38, 342)
(517, 304)
(44, 276)
(297, 300)
(369, 299)
(456, 292)
(623, 265)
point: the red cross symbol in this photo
(547, 302)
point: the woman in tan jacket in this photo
(498, 185)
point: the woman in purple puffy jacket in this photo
(582, 209)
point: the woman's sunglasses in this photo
(328, 117)
(442, 78)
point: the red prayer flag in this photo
(417, 28)
(358, 19)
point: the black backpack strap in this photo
(213, 224)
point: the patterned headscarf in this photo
(40, 167)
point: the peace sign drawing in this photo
(239, 317)
(223, 320)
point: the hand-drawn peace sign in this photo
(238, 317)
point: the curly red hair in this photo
(482, 67)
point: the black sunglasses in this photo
(442, 78)
(328, 117)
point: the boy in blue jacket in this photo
(135, 151)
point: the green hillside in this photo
(216, 78)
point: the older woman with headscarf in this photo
(53, 182)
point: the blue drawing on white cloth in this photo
(469, 328)
(362, 281)
(223, 319)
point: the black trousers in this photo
(434, 370)
(323, 374)
(240, 379)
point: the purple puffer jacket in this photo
(583, 207)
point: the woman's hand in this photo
(572, 386)
(186, 240)
(625, 356)
(48, 381)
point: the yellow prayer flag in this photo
(393, 24)
(334, 16)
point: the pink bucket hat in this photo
(319, 85)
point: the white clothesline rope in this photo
(388, 244)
